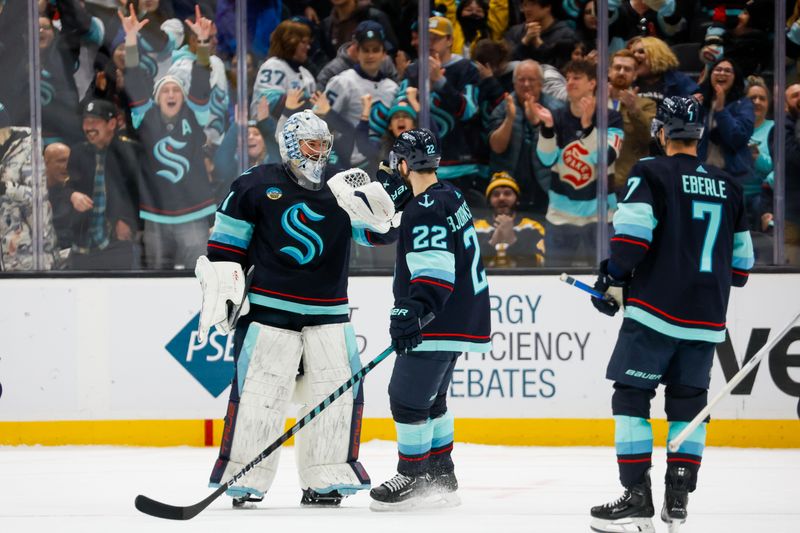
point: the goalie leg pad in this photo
(327, 450)
(266, 367)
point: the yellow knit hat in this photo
(501, 179)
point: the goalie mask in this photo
(305, 144)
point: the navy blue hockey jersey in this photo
(681, 229)
(298, 240)
(439, 266)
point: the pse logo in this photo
(210, 363)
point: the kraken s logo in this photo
(218, 105)
(47, 90)
(165, 153)
(294, 223)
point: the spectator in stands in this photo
(657, 74)
(104, 174)
(474, 20)
(729, 124)
(748, 42)
(792, 174)
(492, 59)
(161, 35)
(339, 26)
(109, 85)
(401, 117)
(514, 133)
(760, 145)
(454, 104)
(542, 36)
(346, 58)
(259, 151)
(508, 238)
(568, 142)
(59, 51)
(56, 158)
(176, 196)
(344, 92)
(637, 114)
(645, 18)
(181, 68)
(283, 71)
(16, 202)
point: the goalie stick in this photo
(174, 512)
(675, 443)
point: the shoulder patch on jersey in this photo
(274, 193)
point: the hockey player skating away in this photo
(439, 271)
(680, 242)
(281, 219)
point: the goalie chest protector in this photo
(298, 239)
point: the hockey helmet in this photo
(305, 144)
(419, 148)
(680, 117)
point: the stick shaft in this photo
(582, 286)
(675, 443)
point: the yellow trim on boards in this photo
(501, 431)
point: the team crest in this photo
(580, 172)
(274, 193)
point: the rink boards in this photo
(116, 361)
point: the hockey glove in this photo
(614, 289)
(405, 328)
(223, 284)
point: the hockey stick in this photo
(675, 443)
(569, 280)
(174, 512)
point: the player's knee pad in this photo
(266, 369)
(327, 450)
(631, 401)
(682, 403)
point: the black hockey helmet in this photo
(681, 118)
(419, 148)
(394, 185)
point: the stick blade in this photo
(172, 512)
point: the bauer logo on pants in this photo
(210, 363)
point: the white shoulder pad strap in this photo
(365, 201)
(222, 282)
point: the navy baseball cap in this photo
(101, 109)
(369, 30)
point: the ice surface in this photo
(531, 489)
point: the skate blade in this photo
(419, 503)
(623, 525)
(449, 499)
(674, 526)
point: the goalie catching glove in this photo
(223, 284)
(365, 201)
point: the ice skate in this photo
(403, 493)
(676, 497)
(446, 485)
(246, 501)
(312, 498)
(630, 513)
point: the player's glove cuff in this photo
(405, 327)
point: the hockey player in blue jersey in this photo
(680, 242)
(283, 220)
(438, 271)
